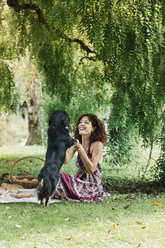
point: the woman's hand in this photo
(79, 147)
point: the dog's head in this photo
(60, 118)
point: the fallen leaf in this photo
(115, 226)
(88, 214)
(139, 223)
(117, 198)
(68, 238)
(67, 219)
(18, 226)
(158, 203)
(126, 206)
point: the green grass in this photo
(128, 220)
(85, 225)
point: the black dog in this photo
(58, 142)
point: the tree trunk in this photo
(34, 114)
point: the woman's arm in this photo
(69, 154)
(96, 150)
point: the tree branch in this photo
(17, 7)
(86, 57)
(83, 45)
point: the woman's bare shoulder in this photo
(97, 145)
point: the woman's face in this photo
(85, 126)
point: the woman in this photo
(86, 184)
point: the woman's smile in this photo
(85, 126)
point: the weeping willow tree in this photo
(120, 43)
(8, 96)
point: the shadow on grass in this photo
(127, 186)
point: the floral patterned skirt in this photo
(75, 189)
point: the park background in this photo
(99, 56)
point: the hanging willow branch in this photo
(17, 7)
(86, 57)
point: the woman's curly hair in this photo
(98, 134)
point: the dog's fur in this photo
(58, 142)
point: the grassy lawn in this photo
(123, 220)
